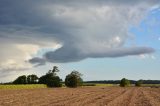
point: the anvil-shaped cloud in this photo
(84, 29)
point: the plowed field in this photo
(86, 96)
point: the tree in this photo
(32, 79)
(42, 79)
(73, 79)
(54, 70)
(20, 80)
(124, 82)
(51, 79)
(139, 83)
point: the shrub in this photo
(74, 79)
(124, 82)
(139, 83)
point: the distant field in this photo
(151, 85)
(106, 85)
(28, 86)
(99, 84)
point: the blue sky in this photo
(104, 40)
(147, 32)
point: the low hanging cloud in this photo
(84, 29)
(62, 56)
(38, 60)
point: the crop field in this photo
(28, 86)
(82, 96)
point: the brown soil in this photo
(86, 96)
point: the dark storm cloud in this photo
(120, 52)
(85, 29)
(62, 56)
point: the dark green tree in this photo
(124, 82)
(54, 70)
(139, 83)
(43, 79)
(73, 79)
(20, 80)
(51, 79)
(32, 79)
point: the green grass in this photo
(28, 86)
(89, 84)
(104, 84)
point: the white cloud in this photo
(147, 56)
(142, 56)
(14, 57)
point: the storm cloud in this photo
(83, 29)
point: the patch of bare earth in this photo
(85, 96)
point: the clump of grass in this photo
(23, 86)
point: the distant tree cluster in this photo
(125, 82)
(118, 81)
(51, 79)
(133, 82)
(30, 79)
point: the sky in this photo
(102, 39)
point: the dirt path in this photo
(86, 96)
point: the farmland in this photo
(81, 96)
(23, 86)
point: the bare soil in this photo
(85, 96)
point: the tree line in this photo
(74, 79)
(51, 79)
(118, 81)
